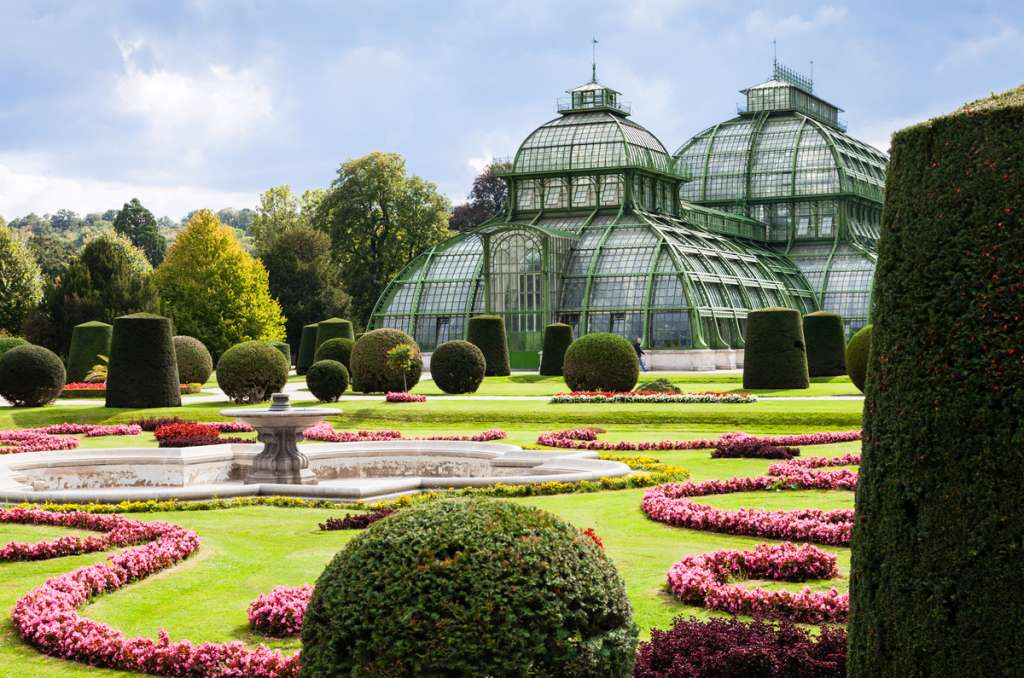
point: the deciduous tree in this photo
(21, 283)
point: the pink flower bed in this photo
(576, 397)
(704, 580)
(91, 430)
(279, 613)
(324, 432)
(47, 616)
(404, 397)
(586, 439)
(31, 440)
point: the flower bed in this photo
(82, 389)
(31, 440)
(404, 397)
(577, 397)
(703, 579)
(586, 439)
(153, 423)
(747, 450)
(356, 521)
(191, 435)
(279, 613)
(324, 432)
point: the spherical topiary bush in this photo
(857, 352)
(251, 371)
(307, 348)
(338, 348)
(487, 333)
(457, 367)
(370, 371)
(333, 327)
(143, 367)
(88, 342)
(775, 353)
(7, 343)
(327, 380)
(284, 348)
(557, 339)
(601, 362)
(826, 344)
(31, 376)
(472, 587)
(195, 364)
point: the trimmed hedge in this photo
(457, 367)
(31, 376)
(487, 333)
(327, 380)
(826, 344)
(251, 371)
(339, 349)
(857, 353)
(331, 328)
(775, 353)
(143, 367)
(370, 372)
(88, 341)
(557, 339)
(938, 539)
(7, 343)
(284, 348)
(469, 588)
(601, 361)
(307, 348)
(195, 364)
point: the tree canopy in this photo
(486, 199)
(139, 225)
(21, 283)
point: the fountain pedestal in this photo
(280, 428)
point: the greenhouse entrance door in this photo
(517, 292)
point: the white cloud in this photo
(764, 23)
(977, 48)
(879, 133)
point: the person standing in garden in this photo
(637, 346)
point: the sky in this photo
(206, 103)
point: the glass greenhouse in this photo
(605, 230)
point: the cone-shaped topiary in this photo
(284, 348)
(88, 342)
(143, 368)
(557, 339)
(487, 333)
(826, 344)
(471, 587)
(307, 348)
(31, 376)
(252, 371)
(7, 343)
(601, 361)
(327, 380)
(195, 364)
(775, 353)
(938, 537)
(457, 367)
(857, 353)
(338, 348)
(333, 327)
(370, 372)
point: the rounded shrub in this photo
(487, 333)
(143, 368)
(7, 343)
(332, 328)
(826, 344)
(557, 339)
(471, 587)
(251, 371)
(327, 380)
(31, 376)
(338, 348)
(88, 342)
(370, 371)
(284, 348)
(195, 364)
(775, 353)
(307, 348)
(601, 362)
(857, 352)
(457, 367)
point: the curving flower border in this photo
(324, 432)
(279, 613)
(586, 439)
(599, 397)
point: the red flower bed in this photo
(279, 613)
(153, 423)
(191, 435)
(586, 439)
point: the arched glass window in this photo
(517, 287)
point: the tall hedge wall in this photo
(307, 348)
(826, 344)
(143, 369)
(938, 542)
(557, 338)
(331, 328)
(775, 353)
(487, 333)
(88, 341)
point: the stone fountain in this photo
(280, 429)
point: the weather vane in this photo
(593, 62)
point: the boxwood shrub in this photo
(195, 364)
(473, 587)
(826, 344)
(601, 362)
(333, 327)
(557, 339)
(31, 376)
(487, 333)
(307, 348)
(251, 371)
(370, 372)
(457, 367)
(938, 540)
(857, 353)
(327, 380)
(338, 348)
(7, 343)
(143, 368)
(88, 341)
(775, 353)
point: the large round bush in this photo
(601, 362)
(31, 376)
(195, 364)
(457, 367)
(487, 332)
(370, 371)
(775, 352)
(557, 340)
(826, 344)
(7, 343)
(327, 380)
(251, 371)
(469, 588)
(89, 341)
(857, 352)
(307, 348)
(338, 348)
(143, 369)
